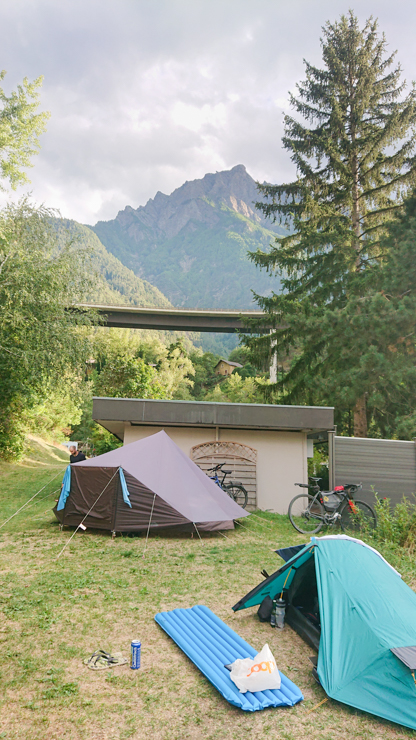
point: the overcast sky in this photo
(145, 94)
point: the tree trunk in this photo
(360, 418)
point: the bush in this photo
(396, 525)
(103, 441)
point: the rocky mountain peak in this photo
(194, 244)
(194, 200)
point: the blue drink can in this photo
(136, 646)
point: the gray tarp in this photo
(157, 474)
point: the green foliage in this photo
(126, 376)
(20, 127)
(114, 283)
(239, 354)
(57, 410)
(396, 525)
(216, 342)
(39, 336)
(318, 465)
(205, 378)
(103, 441)
(235, 389)
(175, 370)
(126, 366)
(129, 367)
(355, 161)
(368, 342)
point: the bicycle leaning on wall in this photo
(309, 512)
(236, 491)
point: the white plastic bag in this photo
(256, 674)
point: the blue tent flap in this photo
(277, 582)
(211, 645)
(126, 497)
(66, 486)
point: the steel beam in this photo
(177, 319)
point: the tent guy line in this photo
(148, 529)
(31, 499)
(264, 524)
(89, 512)
(39, 501)
(224, 535)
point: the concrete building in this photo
(265, 446)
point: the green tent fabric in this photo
(366, 610)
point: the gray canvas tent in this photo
(148, 482)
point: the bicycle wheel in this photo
(358, 517)
(238, 493)
(304, 516)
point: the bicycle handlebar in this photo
(307, 485)
(215, 468)
(348, 487)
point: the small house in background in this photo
(225, 367)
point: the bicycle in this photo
(309, 512)
(236, 491)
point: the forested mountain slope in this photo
(115, 284)
(193, 243)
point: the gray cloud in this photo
(147, 94)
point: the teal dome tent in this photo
(362, 617)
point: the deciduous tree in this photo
(20, 128)
(40, 340)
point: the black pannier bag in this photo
(331, 501)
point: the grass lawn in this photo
(102, 594)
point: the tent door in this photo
(302, 613)
(305, 629)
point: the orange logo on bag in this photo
(266, 665)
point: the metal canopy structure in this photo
(176, 319)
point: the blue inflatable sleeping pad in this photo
(211, 645)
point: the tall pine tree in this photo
(353, 146)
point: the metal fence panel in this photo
(386, 465)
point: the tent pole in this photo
(198, 533)
(148, 529)
(113, 531)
